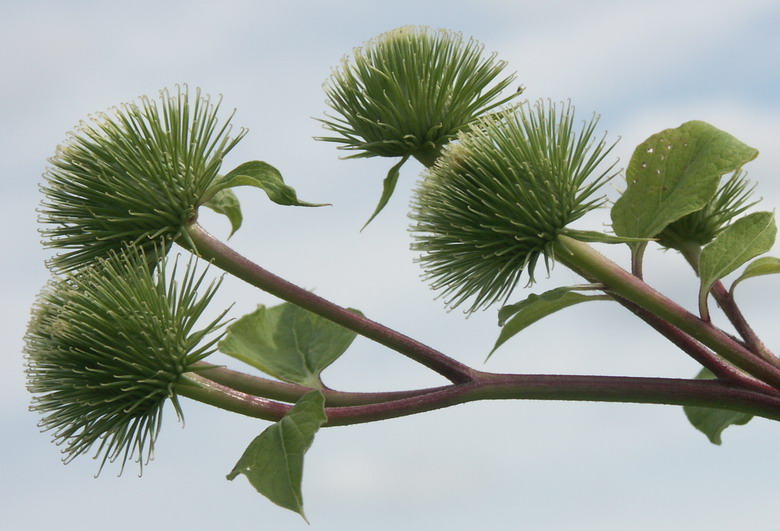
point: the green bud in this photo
(496, 200)
(700, 228)
(105, 349)
(133, 175)
(409, 91)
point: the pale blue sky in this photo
(644, 66)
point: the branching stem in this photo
(729, 306)
(714, 363)
(227, 259)
(287, 392)
(754, 393)
(670, 391)
(585, 260)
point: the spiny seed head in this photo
(131, 176)
(106, 347)
(700, 227)
(495, 201)
(409, 91)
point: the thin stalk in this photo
(637, 260)
(729, 306)
(230, 261)
(692, 253)
(594, 266)
(669, 391)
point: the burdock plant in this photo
(137, 174)
(108, 346)
(114, 335)
(498, 198)
(408, 92)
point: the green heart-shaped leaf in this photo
(673, 173)
(736, 244)
(273, 461)
(287, 342)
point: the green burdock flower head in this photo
(105, 349)
(700, 228)
(408, 92)
(133, 175)
(496, 200)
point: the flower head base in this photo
(409, 91)
(106, 347)
(132, 176)
(498, 197)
